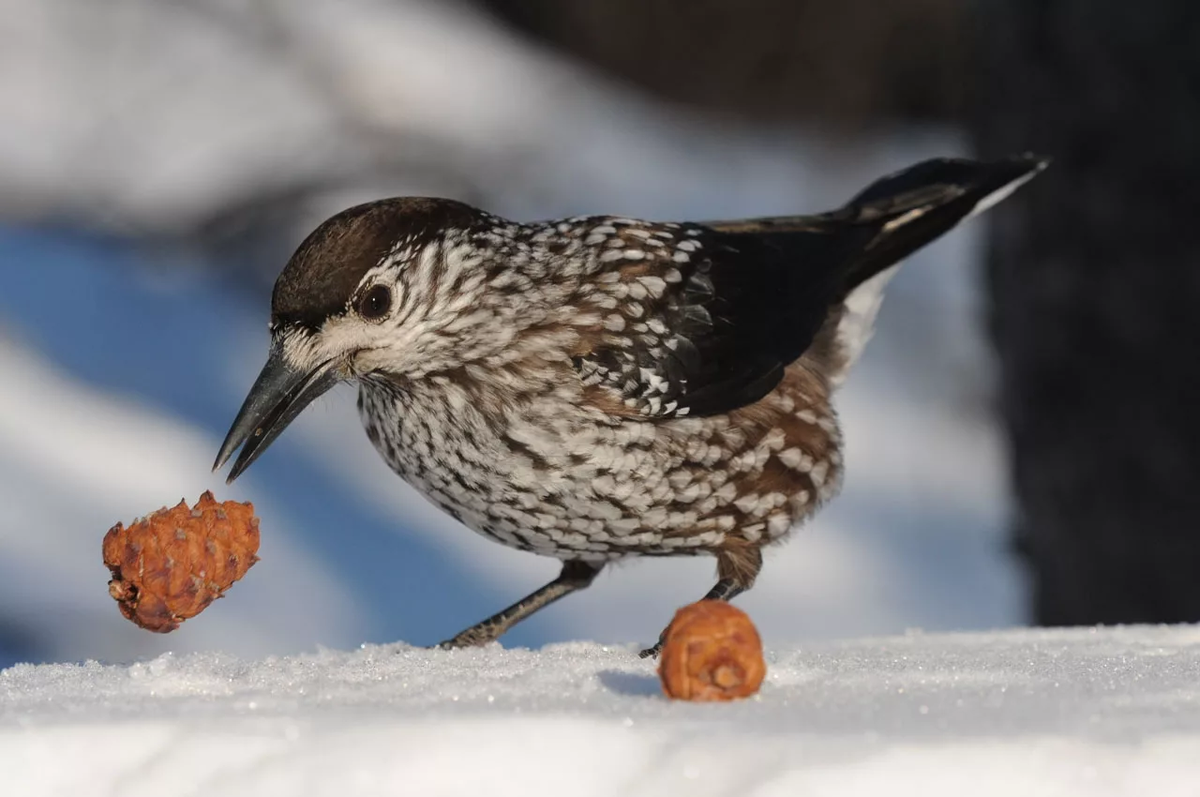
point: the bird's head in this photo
(397, 287)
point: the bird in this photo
(598, 388)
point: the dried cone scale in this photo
(170, 565)
(712, 652)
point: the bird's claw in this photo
(653, 651)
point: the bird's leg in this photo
(724, 590)
(737, 568)
(575, 575)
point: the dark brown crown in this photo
(321, 276)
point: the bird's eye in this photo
(375, 303)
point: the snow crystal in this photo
(1088, 712)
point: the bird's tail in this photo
(915, 206)
(900, 213)
(881, 226)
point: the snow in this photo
(1081, 712)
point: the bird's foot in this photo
(473, 637)
(653, 651)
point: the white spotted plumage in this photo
(598, 387)
(549, 472)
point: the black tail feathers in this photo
(913, 207)
(891, 218)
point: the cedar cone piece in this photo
(712, 652)
(170, 565)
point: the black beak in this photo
(279, 394)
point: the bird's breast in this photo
(552, 476)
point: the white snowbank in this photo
(1083, 712)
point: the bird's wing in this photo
(702, 319)
(692, 321)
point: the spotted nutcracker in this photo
(596, 388)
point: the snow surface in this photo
(1091, 712)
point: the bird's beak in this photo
(279, 394)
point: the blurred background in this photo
(1021, 441)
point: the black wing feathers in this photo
(765, 312)
(754, 293)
